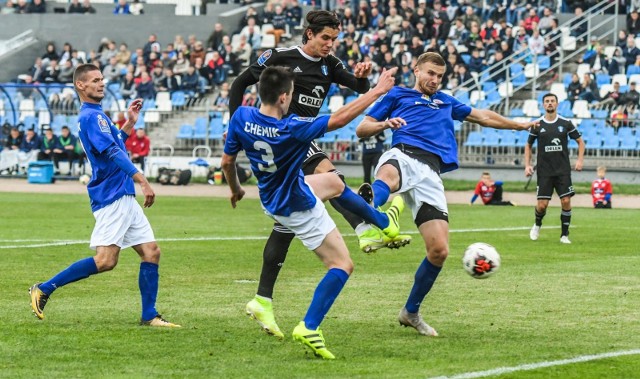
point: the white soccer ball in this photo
(84, 179)
(481, 260)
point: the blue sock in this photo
(425, 277)
(351, 201)
(148, 283)
(78, 270)
(381, 193)
(328, 289)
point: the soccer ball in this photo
(481, 260)
(84, 179)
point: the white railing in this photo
(15, 43)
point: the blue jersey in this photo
(276, 150)
(429, 121)
(98, 134)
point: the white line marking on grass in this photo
(242, 238)
(535, 366)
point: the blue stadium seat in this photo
(463, 97)
(200, 131)
(573, 144)
(516, 112)
(186, 132)
(628, 144)
(474, 139)
(493, 98)
(324, 109)
(566, 79)
(201, 122)
(489, 86)
(632, 70)
(507, 138)
(564, 109)
(625, 133)
(178, 99)
(593, 142)
(607, 132)
(543, 62)
(216, 128)
(600, 79)
(611, 143)
(599, 113)
(521, 137)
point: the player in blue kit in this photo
(120, 221)
(277, 148)
(423, 146)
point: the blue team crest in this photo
(103, 124)
(264, 57)
(325, 70)
(560, 129)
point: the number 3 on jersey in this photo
(267, 156)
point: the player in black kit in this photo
(554, 167)
(315, 68)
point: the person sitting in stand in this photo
(67, 147)
(601, 190)
(138, 147)
(48, 147)
(489, 191)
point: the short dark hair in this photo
(82, 70)
(274, 81)
(319, 19)
(550, 95)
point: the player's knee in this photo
(337, 182)
(428, 212)
(437, 253)
(105, 262)
(346, 265)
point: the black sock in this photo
(565, 219)
(540, 216)
(351, 218)
(273, 257)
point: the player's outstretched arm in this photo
(231, 174)
(239, 85)
(370, 126)
(491, 119)
(350, 111)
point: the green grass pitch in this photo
(548, 302)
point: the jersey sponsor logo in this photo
(264, 57)
(325, 69)
(259, 130)
(556, 141)
(318, 91)
(438, 101)
(310, 101)
(551, 148)
(304, 119)
(297, 69)
(103, 124)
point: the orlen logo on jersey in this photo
(310, 101)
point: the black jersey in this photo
(313, 77)
(553, 140)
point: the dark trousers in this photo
(497, 198)
(369, 162)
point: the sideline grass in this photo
(549, 301)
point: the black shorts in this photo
(562, 184)
(315, 155)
